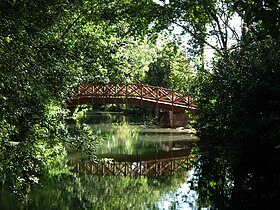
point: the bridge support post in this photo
(171, 119)
(157, 113)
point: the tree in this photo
(170, 68)
(238, 121)
(32, 81)
(260, 17)
(45, 48)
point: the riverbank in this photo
(179, 130)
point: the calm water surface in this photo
(144, 168)
(138, 168)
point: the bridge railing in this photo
(142, 91)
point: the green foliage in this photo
(25, 158)
(170, 68)
(132, 60)
(238, 116)
(80, 135)
(261, 17)
(35, 76)
(207, 23)
(239, 128)
(47, 46)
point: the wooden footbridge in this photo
(139, 94)
(131, 166)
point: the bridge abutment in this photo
(173, 119)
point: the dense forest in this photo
(47, 47)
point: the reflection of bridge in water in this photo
(135, 165)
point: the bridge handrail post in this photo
(79, 91)
(172, 100)
(126, 95)
(142, 87)
(157, 96)
(115, 93)
(188, 105)
(103, 95)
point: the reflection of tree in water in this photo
(128, 139)
(119, 139)
(108, 192)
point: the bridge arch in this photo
(138, 94)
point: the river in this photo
(141, 167)
(137, 167)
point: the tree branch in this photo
(199, 38)
(70, 26)
(213, 16)
(231, 29)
